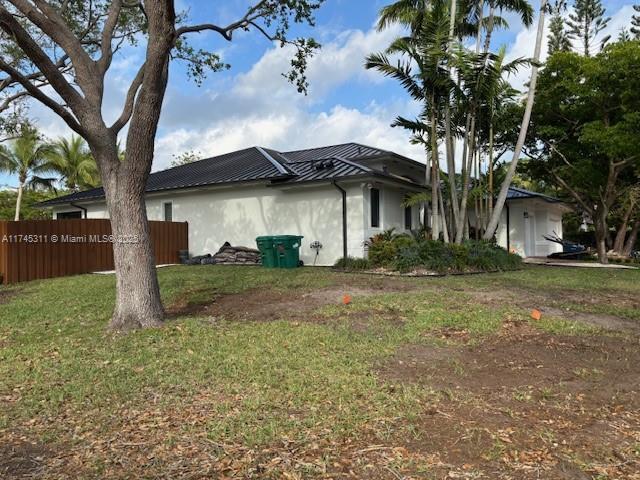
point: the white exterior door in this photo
(530, 235)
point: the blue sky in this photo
(251, 104)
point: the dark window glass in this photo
(375, 207)
(168, 212)
(66, 215)
(407, 218)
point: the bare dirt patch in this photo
(21, 459)
(526, 404)
(552, 304)
(6, 295)
(269, 304)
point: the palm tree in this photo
(74, 162)
(524, 127)
(28, 159)
(422, 70)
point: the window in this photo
(168, 212)
(408, 217)
(375, 208)
(67, 215)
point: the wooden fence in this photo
(34, 249)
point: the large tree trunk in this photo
(138, 303)
(524, 127)
(601, 236)
(621, 234)
(19, 201)
(631, 239)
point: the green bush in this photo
(405, 253)
(351, 263)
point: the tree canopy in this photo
(585, 126)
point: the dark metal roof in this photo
(325, 169)
(347, 151)
(256, 164)
(516, 193)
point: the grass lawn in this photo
(267, 374)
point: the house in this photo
(528, 216)
(337, 197)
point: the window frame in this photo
(70, 215)
(408, 217)
(164, 211)
(377, 208)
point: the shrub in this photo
(405, 253)
(407, 259)
(351, 263)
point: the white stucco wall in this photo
(242, 213)
(525, 233)
(391, 211)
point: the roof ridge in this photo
(273, 161)
(333, 146)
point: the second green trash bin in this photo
(287, 250)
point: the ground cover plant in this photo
(268, 374)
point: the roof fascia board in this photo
(174, 191)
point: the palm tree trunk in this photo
(524, 127)
(467, 161)
(443, 213)
(490, 173)
(435, 187)
(19, 201)
(451, 164)
(470, 146)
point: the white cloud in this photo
(261, 108)
(290, 131)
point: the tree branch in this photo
(50, 71)
(107, 34)
(36, 93)
(226, 32)
(53, 24)
(573, 193)
(129, 102)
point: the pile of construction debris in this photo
(227, 255)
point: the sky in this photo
(252, 104)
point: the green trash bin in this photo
(287, 250)
(267, 251)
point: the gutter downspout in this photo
(84, 210)
(344, 218)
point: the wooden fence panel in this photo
(4, 250)
(35, 249)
